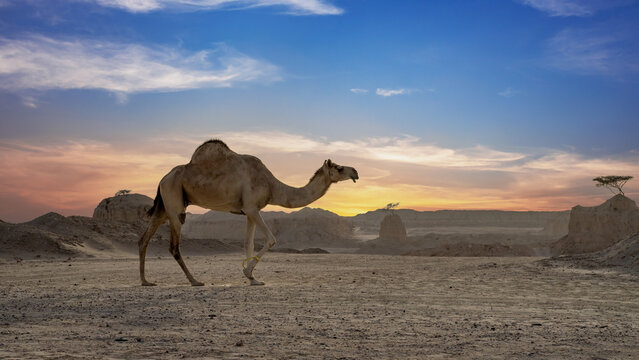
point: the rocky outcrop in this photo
(126, 208)
(595, 228)
(624, 253)
(392, 230)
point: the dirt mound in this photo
(469, 249)
(53, 235)
(25, 241)
(126, 208)
(392, 229)
(623, 253)
(596, 228)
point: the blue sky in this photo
(504, 91)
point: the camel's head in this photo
(338, 172)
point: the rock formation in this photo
(623, 253)
(392, 230)
(595, 228)
(126, 208)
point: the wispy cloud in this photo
(508, 92)
(359, 91)
(561, 7)
(602, 51)
(404, 149)
(42, 63)
(293, 7)
(392, 92)
(580, 8)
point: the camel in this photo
(219, 179)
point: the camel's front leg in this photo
(255, 217)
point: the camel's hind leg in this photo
(174, 248)
(175, 206)
(143, 243)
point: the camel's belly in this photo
(216, 202)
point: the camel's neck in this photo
(292, 197)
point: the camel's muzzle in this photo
(354, 177)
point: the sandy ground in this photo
(318, 306)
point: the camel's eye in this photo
(340, 168)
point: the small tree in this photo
(391, 206)
(122, 192)
(612, 183)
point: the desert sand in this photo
(332, 306)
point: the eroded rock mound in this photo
(127, 208)
(623, 253)
(596, 228)
(392, 229)
(25, 241)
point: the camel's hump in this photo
(210, 150)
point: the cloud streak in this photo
(404, 149)
(562, 8)
(42, 63)
(592, 52)
(293, 7)
(568, 8)
(391, 92)
(508, 92)
(359, 91)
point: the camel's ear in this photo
(329, 163)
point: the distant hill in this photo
(305, 228)
(497, 218)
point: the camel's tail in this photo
(158, 205)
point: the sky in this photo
(449, 104)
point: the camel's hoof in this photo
(248, 272)
(197, 283)
(256, 282)
(146, 283)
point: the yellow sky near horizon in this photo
(71, 177)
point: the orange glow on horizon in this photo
(73, 177)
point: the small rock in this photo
(239, 343)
